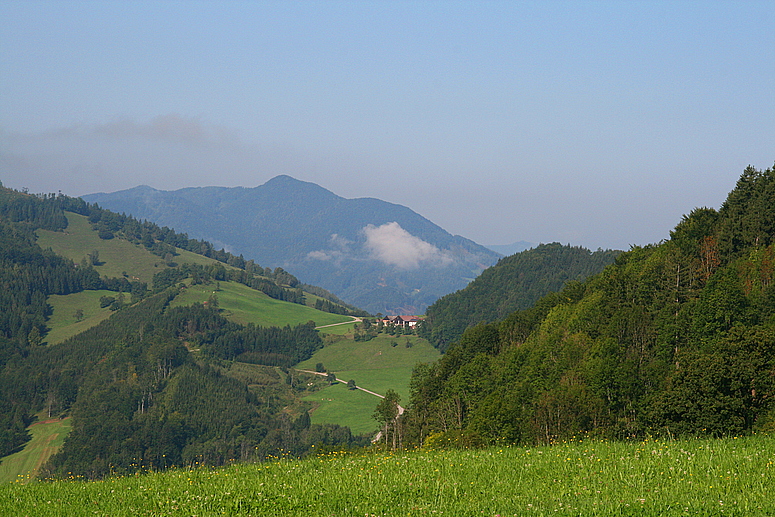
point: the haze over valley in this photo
(387, 258)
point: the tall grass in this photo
(691, 477)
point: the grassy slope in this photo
(339, 330)
(375, 365)
(347, 354)
(244, 305)
(47, 438)
(337, 404)
(63, 323)
(117, 256)
(688, 477)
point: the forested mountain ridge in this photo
(379, 256)
(515, 282)
(673, 339)
(152, 385)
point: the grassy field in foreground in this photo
(47, 438)
(686, 477)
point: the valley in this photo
(588, 357)
(387, 259)
(75, 313)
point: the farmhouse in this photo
(403, 321)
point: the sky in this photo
(596, 124)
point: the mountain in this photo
(515, 282)
(675, 339)
(376, 255)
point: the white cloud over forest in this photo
(391, 244)
(340, 249)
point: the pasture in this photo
(65, 323)
(47, 438)
(241, 304)
(733, 476)
(376, 365)
(116, 256)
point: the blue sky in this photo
(590, 123)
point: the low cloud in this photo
(391, 244)
(167, 152)
(340, 247)
(320, 255)
(170, 127)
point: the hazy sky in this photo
(590, 123)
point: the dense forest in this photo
(515, 282)
(673, 339)
(137, 391)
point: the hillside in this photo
(192, 369)
(379, 364)
(376, 255)
(673, 339)
(515, 282)
(118, 257)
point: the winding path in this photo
(400, 407)
(353, 320)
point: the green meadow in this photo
(379, 353)
(650, 478)
(339, 329)
(337, 404)
(376, 365)
(116, 256)
(244, 305)
(47, 438)
(64, 322)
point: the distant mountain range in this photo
(379, 256)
